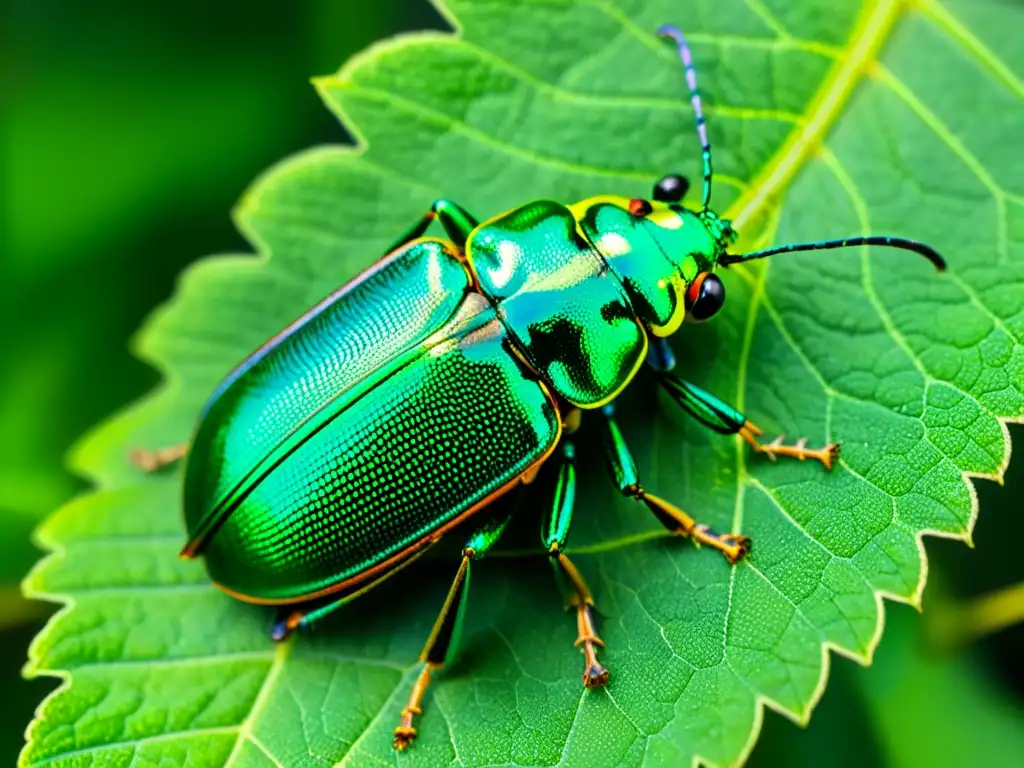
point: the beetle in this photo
(408, 400)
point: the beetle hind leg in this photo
(291, 618)
(435, 652)
(595, 674)
(442, 644)
(733, 546)
(405, 731)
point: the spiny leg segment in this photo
(291, 619)
(799, 450)
(624, 473)
(722, 418)
(442, 643)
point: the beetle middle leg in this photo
(555, 532)
(716, 415)
(623, 469)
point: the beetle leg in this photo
(623, 469)
(290, 619)
(572, 421)
(660, 356)
(716, 415)
(443, 641)
(555, 532)
(799, 450)
(151, 461)
(595, 674)
(457, 223)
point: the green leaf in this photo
(910, 709)
(827, 118)
(909, 694)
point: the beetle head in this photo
(693, 241)
(663, 253)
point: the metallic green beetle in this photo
(442, 377)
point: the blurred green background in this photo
(130, 131)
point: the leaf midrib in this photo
(869, 34)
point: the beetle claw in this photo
(596, 675)
(152, 461)
(279, 631)
(403, 738)
(285, 625)
(736, 546)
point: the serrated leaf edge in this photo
(869, 35)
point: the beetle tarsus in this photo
(736, 546)
(594, 674)
(151, 461)
(405, 732)
(799, 450)
(733, 546)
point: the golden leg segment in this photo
(151, 461)
(594, 673)
(827, 455)
(406, 732)
(733, 545)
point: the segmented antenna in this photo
(892, 242)
(667, 30)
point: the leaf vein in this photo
(245, 728)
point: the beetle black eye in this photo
(640, 207)
(704, 297)
(671, 189)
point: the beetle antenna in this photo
(892, 242)
(670, 31)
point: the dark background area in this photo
(130, 130)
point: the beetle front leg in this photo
(151, 461)
(555, 532)
(623, 470)
(799, 450)
(457, 223)
(716, 415)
